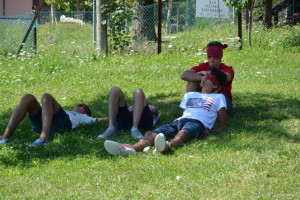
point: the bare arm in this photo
(102, 119)
(222, 124)
(229, 77)
(191, 75)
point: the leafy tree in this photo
(68, 5)
(119, 14)
(239, 5)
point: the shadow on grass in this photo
(254, 113)
(259, 121)
(78, 142)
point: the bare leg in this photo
(147, 141)
(162, 146)
(49, 107)
(138, 106)
(28, 105)
(116, 99)
(193, 86)
(181, 137)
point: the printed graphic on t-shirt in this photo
(200, 103)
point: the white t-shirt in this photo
(202, 107)
(77, 118)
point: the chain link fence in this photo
(13, 28)
(176, 17)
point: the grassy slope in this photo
(257, 157)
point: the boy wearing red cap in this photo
(200, 111)
(50, 117)
(194, 75)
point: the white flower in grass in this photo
(170, 46)
(73, 42)
(31, 78)
(258, 72)
(178, 177)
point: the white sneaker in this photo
(107, 133)
(160, 144)
(136, 134)
(116, 148)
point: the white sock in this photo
(112, 127)
(134, 128)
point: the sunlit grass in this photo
(257, 157)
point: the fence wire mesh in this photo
(176, 17)
(12, 31)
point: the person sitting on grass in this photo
(200, 113)
(139, 115)
(194, 75)
(48, 118)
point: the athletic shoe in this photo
(116, 148)
(160, 144)
(3, 141)
(136, 134)
(39, 142)
(107, 133)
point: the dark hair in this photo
(217, 43)
(219, 75)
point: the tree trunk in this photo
(250, 10)
(169, 13)
(53, 13)
(101, 29)
(240, 29)
(268, 14)
(146, 22)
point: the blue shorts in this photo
(229, 103)
(60, 121)
(124, 118)
(193, 127)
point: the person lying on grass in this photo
(48, 118)
(194, 75)
(200, 113)
(140, 115)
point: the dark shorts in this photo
(125, 118)
(193, 127)
(229, 103)
(60, 121)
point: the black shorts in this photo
(60, 121)
(125, 118)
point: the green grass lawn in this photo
(256, 157)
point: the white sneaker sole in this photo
(115, 148)
(160, 142)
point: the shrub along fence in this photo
(141, 26)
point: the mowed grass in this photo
(256, 157)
